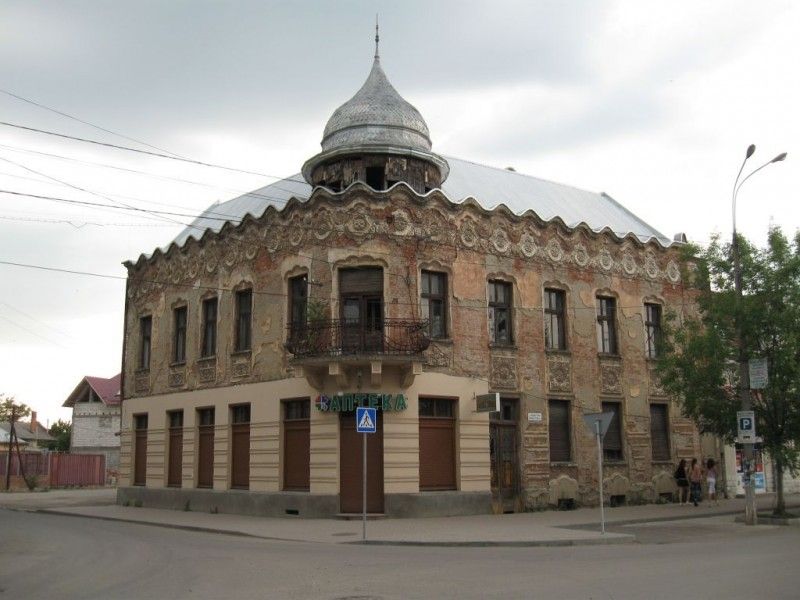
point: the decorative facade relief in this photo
(207, 370)
(240, 366)
(504, 373)
(177, 377)
(141, 382)
(559, 373)
(611, 376)
(365, 215)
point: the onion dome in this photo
(376, 121)
(376, 115)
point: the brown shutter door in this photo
(559, 431)
(351, 465)
(361, 281)
(437, 454)
(205, 456)
(240, 456)
(174, 476)
(140, 458)
(296, 455)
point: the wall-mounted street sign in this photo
(757, 368)
(366, 420)
(535, 417)
(746, 425)
(487, 402)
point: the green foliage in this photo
(61, 431)
(700, 362)
(7, 403)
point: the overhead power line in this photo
(74, 118)
(146, 152)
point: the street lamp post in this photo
(750, 515)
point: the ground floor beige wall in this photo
(400, 433)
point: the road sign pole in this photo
(600, 471)
(364, 488)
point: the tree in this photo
(8, 408)
(699, 362)
(61, 431)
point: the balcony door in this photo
(361, 301)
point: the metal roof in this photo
(489, 186)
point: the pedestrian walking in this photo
(695, 480)
(711, 481)
(682, 480)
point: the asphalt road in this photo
(53, 556)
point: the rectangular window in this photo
(244, 313)
(296, 445)
(145, 334)
(298, 303)
(559, 430)
(179, 335)
(652, 326)
(659, 432)
(500, 312)
(433, 303)
(175, 466)
(205, 447)
(437, 444)
(607, 325)
(554, 318)
(612, 442)
(209, 328)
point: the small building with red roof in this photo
(95, 404)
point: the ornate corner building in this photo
(381, 277)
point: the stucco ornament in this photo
(605, 259)
(468, 235)
(504, 372)
(611, 376)
(580, 256)
(527, 245)
(401, 223)
(554, 251)
(651, 266)
(500, 240)
(323, 226)
(360, 224)
(559, 373)
(673, 272)
(628, 264)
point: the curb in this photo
(617, 539)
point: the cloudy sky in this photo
(651, 102)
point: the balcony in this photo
(343, 338)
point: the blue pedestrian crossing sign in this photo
(366, 420)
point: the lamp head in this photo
(779, 158)
(750, 149)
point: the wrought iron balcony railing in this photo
(342, 337)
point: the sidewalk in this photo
(546, 528)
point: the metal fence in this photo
(338, 337)
(54, 469)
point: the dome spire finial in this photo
(377, 39)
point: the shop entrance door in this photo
(503, 455)
(350, 466)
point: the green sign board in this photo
(348, 402)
